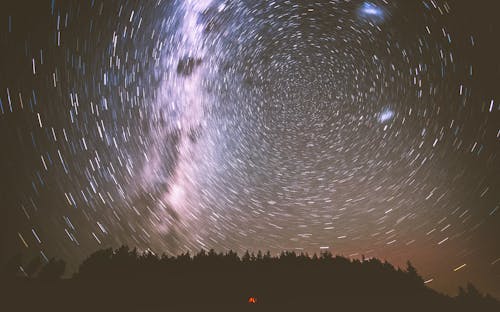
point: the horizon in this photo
(37, 264)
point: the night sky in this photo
(362, 128)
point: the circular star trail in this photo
(362, 127)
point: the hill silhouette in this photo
(126, 280)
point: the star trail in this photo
(363, 128)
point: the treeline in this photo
(211, 279)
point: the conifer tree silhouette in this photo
(124, 279)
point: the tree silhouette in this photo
(52, 270)
(411, 271)
(33, 266)
(124, 280)
(13, 267)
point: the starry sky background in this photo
(362, 128)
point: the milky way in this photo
(365, 128)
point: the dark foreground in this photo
(122, 280)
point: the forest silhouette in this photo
(127, 280)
